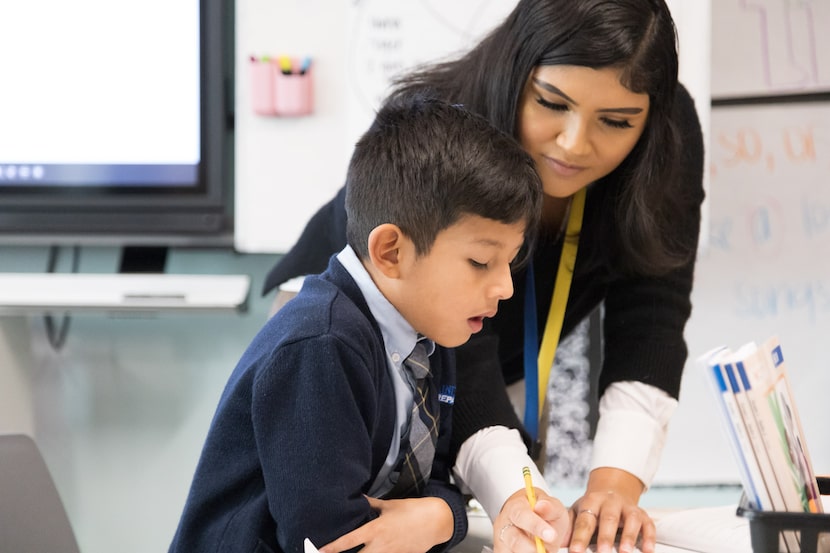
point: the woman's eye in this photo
(617, 124)
(614, 123)
(477, 265)
(551, 105)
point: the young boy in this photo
(316, 419)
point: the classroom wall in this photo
(121, 410)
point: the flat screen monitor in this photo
(115, 122)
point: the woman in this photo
(589, 88)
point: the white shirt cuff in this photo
(632, 428)
(489, 465)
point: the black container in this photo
(765, 527)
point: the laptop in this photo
(32, 515)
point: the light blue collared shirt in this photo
(399, 339)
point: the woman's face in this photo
(578, 124)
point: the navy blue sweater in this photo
(302, 429)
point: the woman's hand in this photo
(517, 525)
(610, 504)
(405, 526)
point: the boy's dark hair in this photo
(424, 164)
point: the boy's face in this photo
(446, 294)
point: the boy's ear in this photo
(385, 243)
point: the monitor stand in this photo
(143, 259)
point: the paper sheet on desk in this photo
(659, 548)
(705, 530)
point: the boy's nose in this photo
(503, 287)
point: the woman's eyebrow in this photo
(628, 111)
(550, 88)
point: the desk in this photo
(726, 533)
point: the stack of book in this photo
(762, 423)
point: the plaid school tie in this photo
(416, 464)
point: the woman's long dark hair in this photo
(637, 37)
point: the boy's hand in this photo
(517, 525)
(404, 526)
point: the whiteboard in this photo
(766, 271)
(770, 47)
(286, 168)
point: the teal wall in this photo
(121, 410)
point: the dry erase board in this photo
(287, 167)
(770, 47)
(766, 271)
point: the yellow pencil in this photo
(531, 496)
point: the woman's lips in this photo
(561, 168)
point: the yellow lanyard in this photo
(556, 314)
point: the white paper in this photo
(308, 547)
(706, 529)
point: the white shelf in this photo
(59, 292)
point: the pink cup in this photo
(262, 86)
(293, 93)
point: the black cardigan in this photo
(644, 317)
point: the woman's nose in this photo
(573, 138)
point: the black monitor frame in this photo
(147, 215)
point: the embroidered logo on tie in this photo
(447, 394)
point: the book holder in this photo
(765, 527)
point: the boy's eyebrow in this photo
(556, 90)
(489, 241)
(492, 242)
